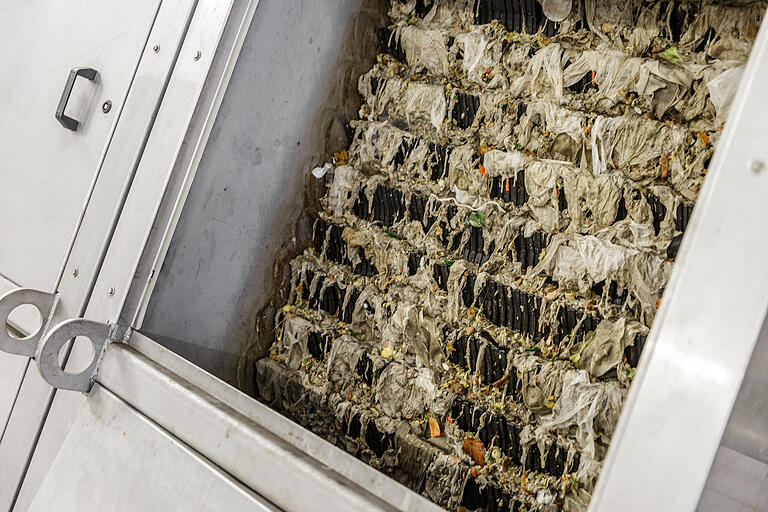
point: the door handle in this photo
(66, 121)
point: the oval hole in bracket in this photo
(75, 358)
(24, 315)
(17, 302)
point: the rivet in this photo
(75, 272)
(106, 107)
(756, 166)
(156, 48)
(111, 291)
(198, 54)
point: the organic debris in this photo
(495, 243)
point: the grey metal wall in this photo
(294, 87)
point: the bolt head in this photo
(156, 48)
(75, 272)
(111, 291)
(198, 54)
(106, 107)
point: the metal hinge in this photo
(46, 344)
(47, 356)
(44, 302)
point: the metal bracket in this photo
(100, 335)
(44, 302)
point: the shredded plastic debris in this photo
(319, 172)
(495, 243)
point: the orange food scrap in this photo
(664, 163)
(475, 449)
(483, 148)
(501, 382)
(481, 168)
(434, 428)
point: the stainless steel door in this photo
(47, 169)
(53, 179)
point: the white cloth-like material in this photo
(722, 90)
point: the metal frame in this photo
(154, 201)
(693, 364)
(256, 446)
(43, 226)
(708, 324)
(241, 431)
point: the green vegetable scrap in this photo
(671, 54)
(476, 219)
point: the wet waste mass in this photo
(492, 247)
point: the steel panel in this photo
(747, 429)
(13, 368)
(49, 170)
(736, 483)
(106, 199)
(114, 459)
(144, 200)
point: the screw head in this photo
(156, 48)
(75, 272)
(106, 106)
(111, 291)
(756, 166)
(198, 54)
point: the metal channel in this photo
(155, 171)
(262, 449)
(281, 114)
(187, 161)
(707, 327)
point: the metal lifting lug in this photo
(44, 302)
(100, 336)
